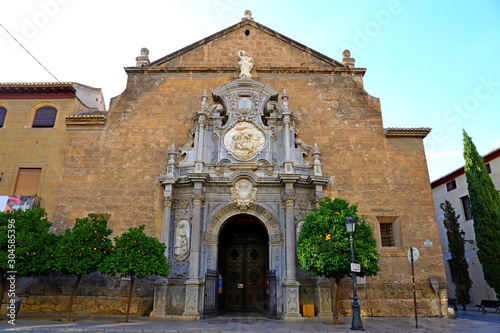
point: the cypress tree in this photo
(485, 208)
(458, 263)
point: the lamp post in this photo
(462, 234)
(350, 224)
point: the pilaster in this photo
(160, 299)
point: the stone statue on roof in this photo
(246, 64)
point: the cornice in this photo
(417, 132)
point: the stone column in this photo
(165, 226)
(199, 148)
(325, 299)
(193, 284)
(291, 271)
(291, 285)
(288, 158)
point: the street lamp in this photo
(350, 225)
(462, 234)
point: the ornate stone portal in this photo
(245, 159)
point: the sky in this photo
(432, 63)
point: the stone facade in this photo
(24, 146)
(195, 139)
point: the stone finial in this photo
(247, 15)
(172, 154)
(204, 97)
(317, 162)
(316, 150)
(143, 59)
(285, 99)
(346, 59)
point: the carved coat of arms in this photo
(243, 193)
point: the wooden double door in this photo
(243, 263)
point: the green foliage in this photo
(323, 245)
(82, 249)
(32, 240)
(456, 246)
(485, 208)
(137, 254)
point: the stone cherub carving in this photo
(246, 64)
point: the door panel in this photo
(243, 261)
(245, 287)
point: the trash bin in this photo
(308, 310)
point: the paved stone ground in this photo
(468, 321)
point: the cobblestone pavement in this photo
(467, 321)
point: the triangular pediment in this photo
(268, 48)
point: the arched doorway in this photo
(243, 263)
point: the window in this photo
(488, 168)
(390, 231)
(387, 234)
(27, 182)
(451, 185)
(45, 117)
(3, 114)
(466, 207)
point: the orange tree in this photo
(136, 255)
(26, 244)
(323, 245)
(82, 250)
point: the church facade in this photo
(221, 149)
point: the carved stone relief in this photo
(181, 240)
(244, 140)
(243, 193)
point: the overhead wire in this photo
(18, 42)
(45, 68)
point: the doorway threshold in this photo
(238, 315)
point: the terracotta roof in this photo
(37, 88)
(87, 115)
(460, 171)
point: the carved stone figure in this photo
(243, 193)
(246, 64)
(181, 241)
(244, 140)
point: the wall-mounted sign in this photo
(428, 243)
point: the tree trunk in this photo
(132, 279)
(2, 287)
(73, 292)
(335, 297)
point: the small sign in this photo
(240, 285)
(428, 243)
(435, 283)
(355, 268)
(415, 254)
